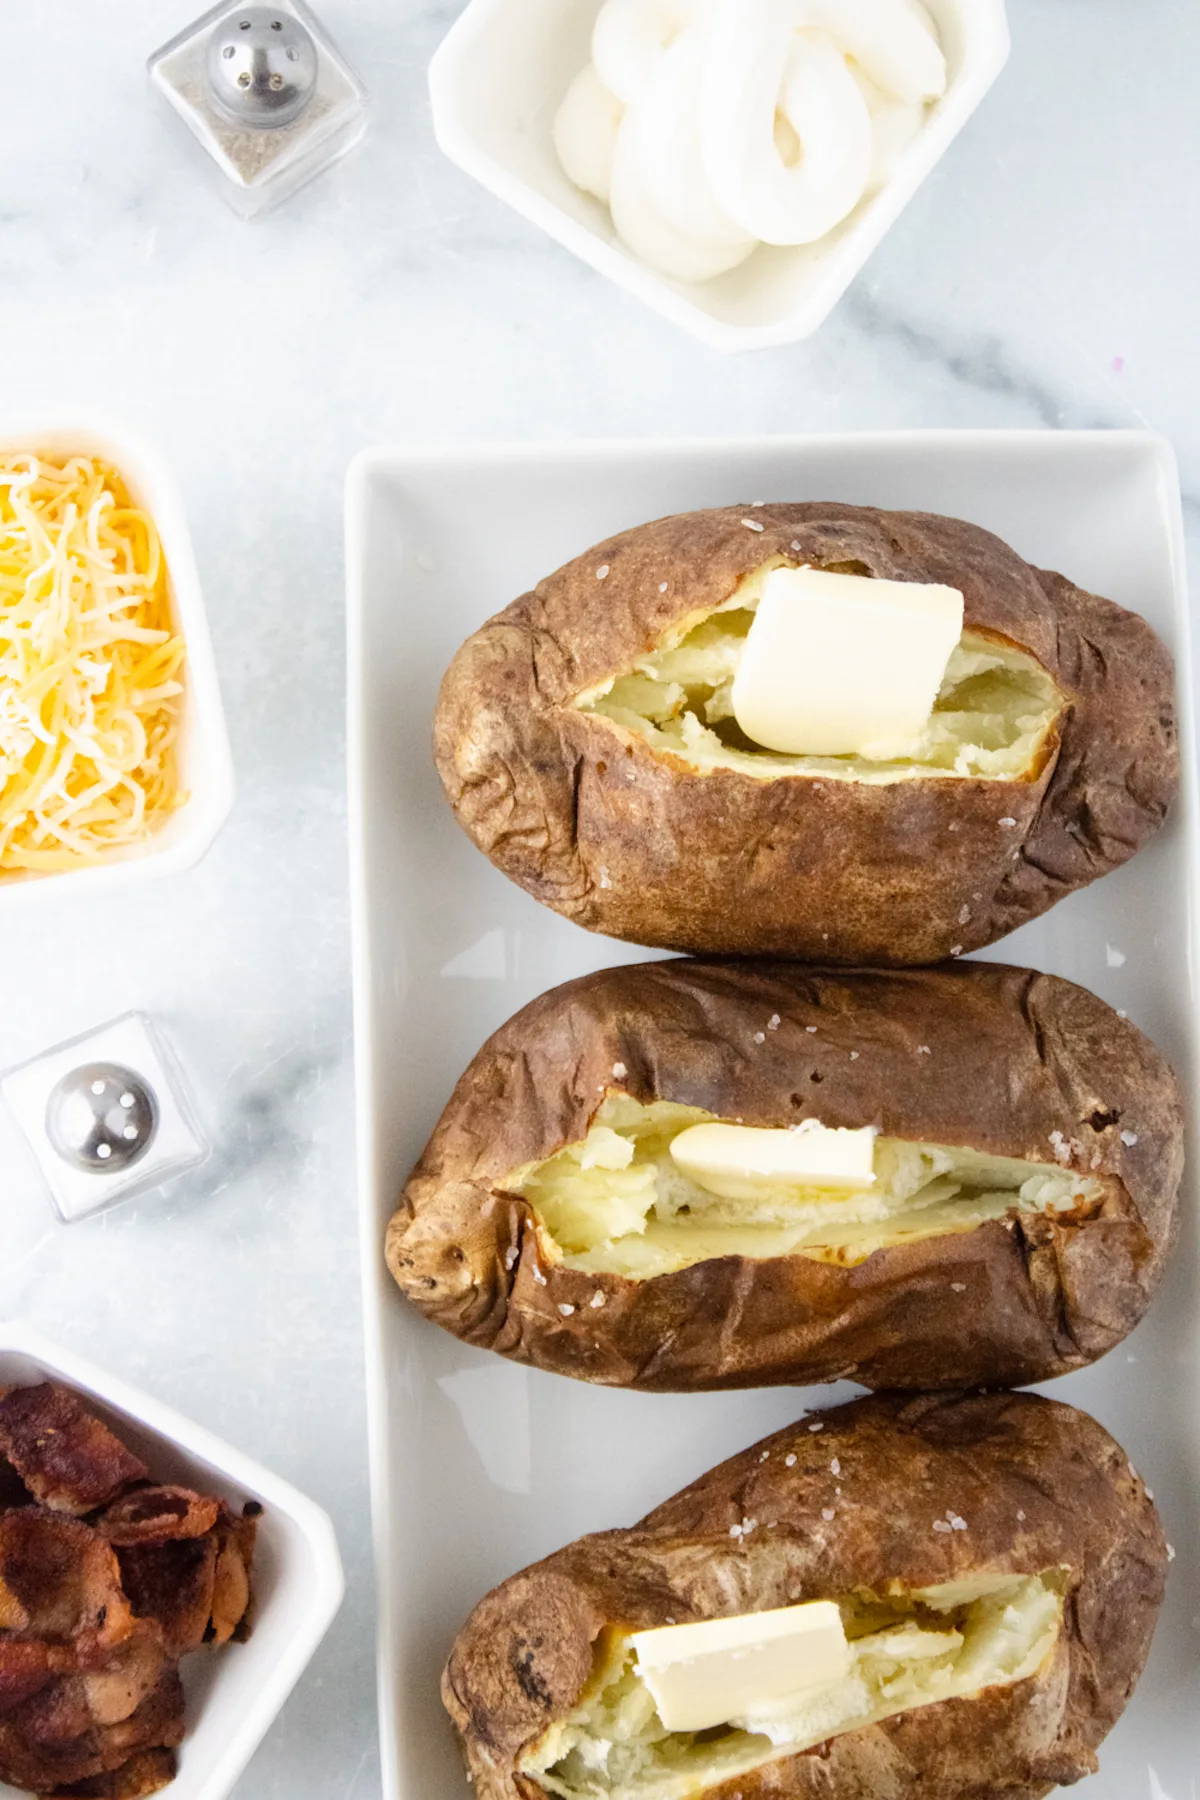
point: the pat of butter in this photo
(720, 1669)
(740, 1161)
(836, 663)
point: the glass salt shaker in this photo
(267, 96)
(105, 1116)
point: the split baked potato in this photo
(998, 1566)
(586, 742)
(1026, 1170)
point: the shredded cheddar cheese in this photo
(89, 666)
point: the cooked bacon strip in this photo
(49, 1744)
(146, 1773)
(66, 1457)
(231, 1589)
(172, 1584)
(155, 1515)
(13, 1616)
(26, 1667)
(65, 1577)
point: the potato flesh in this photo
(990, 720)
(615, 1203)
(909, 1650)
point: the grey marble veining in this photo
(1046, 275)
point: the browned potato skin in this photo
(1012, 1057)
(1039, 1484)
(625, 840)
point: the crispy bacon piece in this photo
(66, 1457)
(52, 1743)
(172, 1584)
(155, 1515)
(146, 1773)
(26, 1666)
(231, 1588)
(65, 1577)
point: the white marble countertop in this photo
(1045, 276)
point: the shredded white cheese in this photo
(89, 666)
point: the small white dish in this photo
(445, 949)
(232, 1694)
(496, 82)
(205, 761)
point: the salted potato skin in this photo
(1001, 1060)
(1039, 1486)
(630, 841)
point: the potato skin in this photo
(1039, 1485)
(971, 1054)
(624, 840)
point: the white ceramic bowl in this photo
(496, 82)
(233, 1694)
(205, 763)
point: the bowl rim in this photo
(987, 52)
(151, 478)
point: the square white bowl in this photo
(205, 763)
(232, 1694)
(496, 82)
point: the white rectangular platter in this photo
(479, 1466)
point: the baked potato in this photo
(586, 742)
(1023, 1201)
(997, 1563)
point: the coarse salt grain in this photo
(811, 1030)
(924, 1050)
(958, 1287)
(565, 1308)
(510, 1258)
(789, 1462)
(753, 525)
(597, 1299)
(1008, 821)
(956, 949)
(605, 880)
(760, 1037)
(539, 1278)
(964, 915)
(619, 1071)
(764, 1456)
(1170, 1553)
(819, 1426)
(941, 1525)
(602, 572)
(662, 587)
(835, 1467)
(1020, 1515)
(827, 1512)
(1130, 1138)
(854, 1056)
(956, 1524)
(774, 1022)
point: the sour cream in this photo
(709, 127)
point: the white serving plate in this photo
(205, 762)
(232, 1694)
(496, 82)
(478, 1466)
